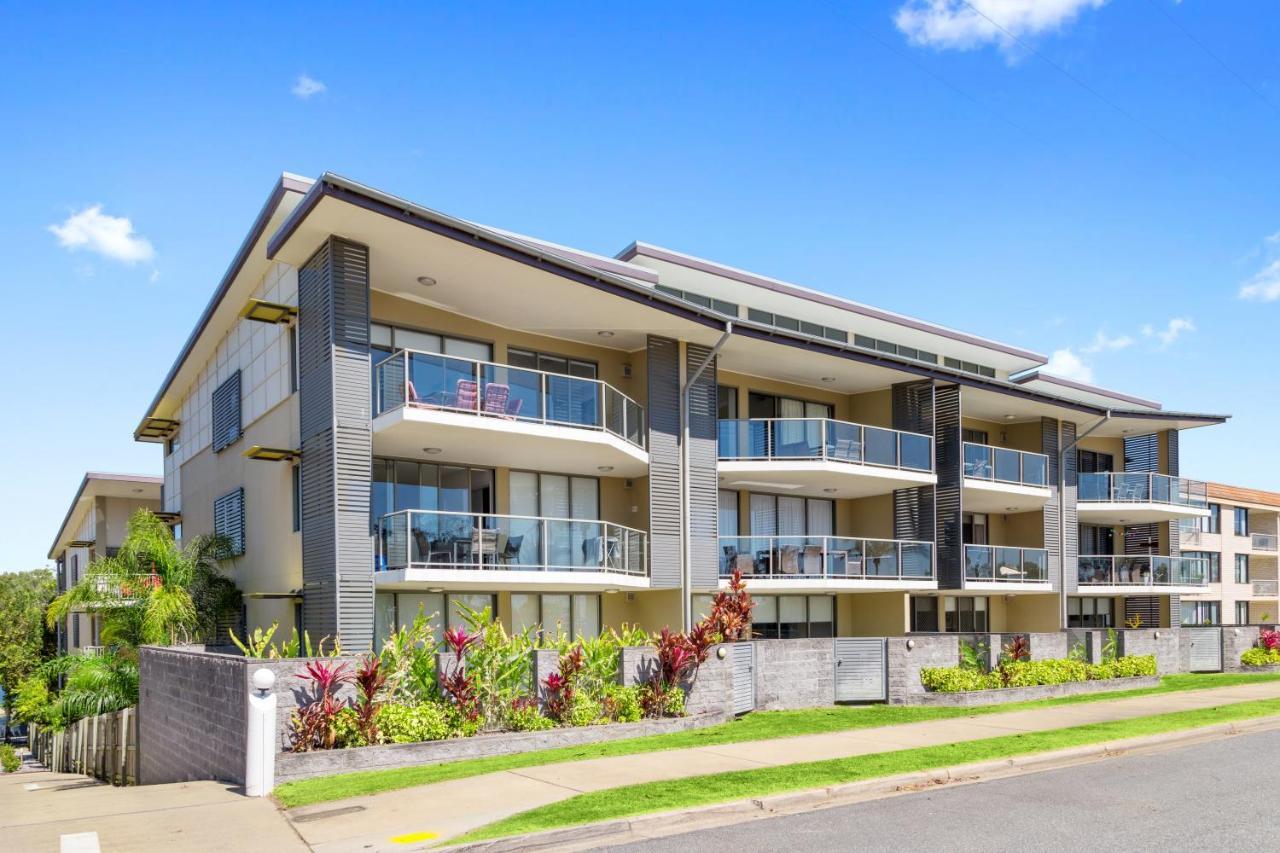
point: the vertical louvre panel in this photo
(1050, 447)
(704, 497)
(1070, 520)
(1206, 649)
(334, 395)
(743, 656)
(226, 412)
(663, 367)
(913, 510)
(949, 508)
(1147, 607)
(1142, 453)
(861, 670)
(228, 520)
(1171, 448)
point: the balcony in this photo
(1266, 589)
(459, 550)
(1120, 574)
(1265, 542)
(484, 413)
(820, 457)
(999, 565)
(1000, 480)
(828, 562)
(1138, 498)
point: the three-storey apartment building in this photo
(391, 409)
(1238, 539)
(95, 526)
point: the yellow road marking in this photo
(414, 837)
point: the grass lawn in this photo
(725, 787)
(761, 725)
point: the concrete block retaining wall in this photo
(711, 691)
(905, 663)
(1024, 694)
(1164, 643)
(795, 674)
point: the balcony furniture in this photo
(509, 552)
(465, 397)
(513, 408)
(812, 564)
(788, 557)
(496, 397)
(980, 469)
(763, 563)
(837, 562)
(598, 550)
(1129, 491)
(1009, 571)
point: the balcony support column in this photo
(1069, 447)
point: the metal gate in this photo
(1206, 649)
(861, 671)
(744, 677)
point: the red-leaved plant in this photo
(1269, 639)
(560, 685)
(370, 678)
(730, 615)
(313, 723)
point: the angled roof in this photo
(100, 484)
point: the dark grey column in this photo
(1050, 446)
(1171, 449)
(913, 511)
(948, 458)
(704, 503)
(337, 448)
(1070, 517)
(663, 407)
(1142, 454)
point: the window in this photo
(551, 363)
(771, 406)
(728, 513)
(1097, 540)
(172, 445)
(293, 358)
(176, 527)
(720, 305)
(974, 528)
(965, 615)
(974, 436)
(1211, 524)
(226, 413)
(1089, 612)
(75, 630)
(228, 520)
(400, 484)
(1241, 521)
(1242, 568)
(786, 515)
(1092, 462)
(570, 544)
(1201, 613)
(789, 617)
(726, 402)
(295, 480)
(1242, 613)
(1215, 563)
(576, 615)
(924, 614)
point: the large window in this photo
(441, 610)
(924, 613)
(966, 615)
(786, 515)
(551, 363)
(974, 528)
(576, 615)
(400, 484)
(1091, 461)
(1214, 559)
(790, 617)
(1095, 540)
(772, 406)
(1201, 613)
(1210, 524)
(1242, 568)
(1241, 518)
(1090, 612)
(1242, 613)
(726, 402)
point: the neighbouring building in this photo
(386, 408)
(1238, 538)
(95, 526)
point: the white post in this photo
(260, 754)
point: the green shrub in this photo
(346, 729)
(525, 717)
(34, 702)
(1260, 657)
(414, 723)
(9, 760)
(622, 704)
(957, 679)
(1034, 673)
(586, 711)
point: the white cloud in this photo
(1068, 365)
(959, 25)
(1171, 332)
(1101, 342)
(111, 236)
(307, 86)
(1264, 286)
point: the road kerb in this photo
(663, 824)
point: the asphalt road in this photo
(1215, 796)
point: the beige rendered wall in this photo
(1032, 613)
(873, 614)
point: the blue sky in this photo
(953, 164)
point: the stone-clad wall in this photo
(927, 650)
(794, 674)
(1166, 647)
(712, 690)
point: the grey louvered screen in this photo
(1142, 453)
(704, 495)
(1146, 607)
(1050, 446)
(913, 509)
(334, 397)
(861, 674)
(663, 366)
(1070, 518)
(948, 493)
(1171, 449)
(1206, 649)
(228, 520)
(742, 656)
(226, 412)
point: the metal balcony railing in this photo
(1263, 542)
(1141, 487)
(417, 539)
(1004, 465)
(825, 557)
(1142, 570)
(488, 389)
(824, 439)
(1006, 564)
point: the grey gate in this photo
(861, 669)
(743, 658)
(1206, 649)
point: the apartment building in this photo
(1238, 540)
(389, 409)
(95, 526)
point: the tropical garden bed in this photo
(1265, 655)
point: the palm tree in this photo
(91, 684)
(152, 591)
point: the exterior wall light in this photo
(911, 644)
(722, 653)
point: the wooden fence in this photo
(105, 747)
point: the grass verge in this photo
(762, 725)
(696, 791)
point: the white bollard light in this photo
(260, 754)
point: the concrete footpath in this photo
(433, 813)
(43, 811)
